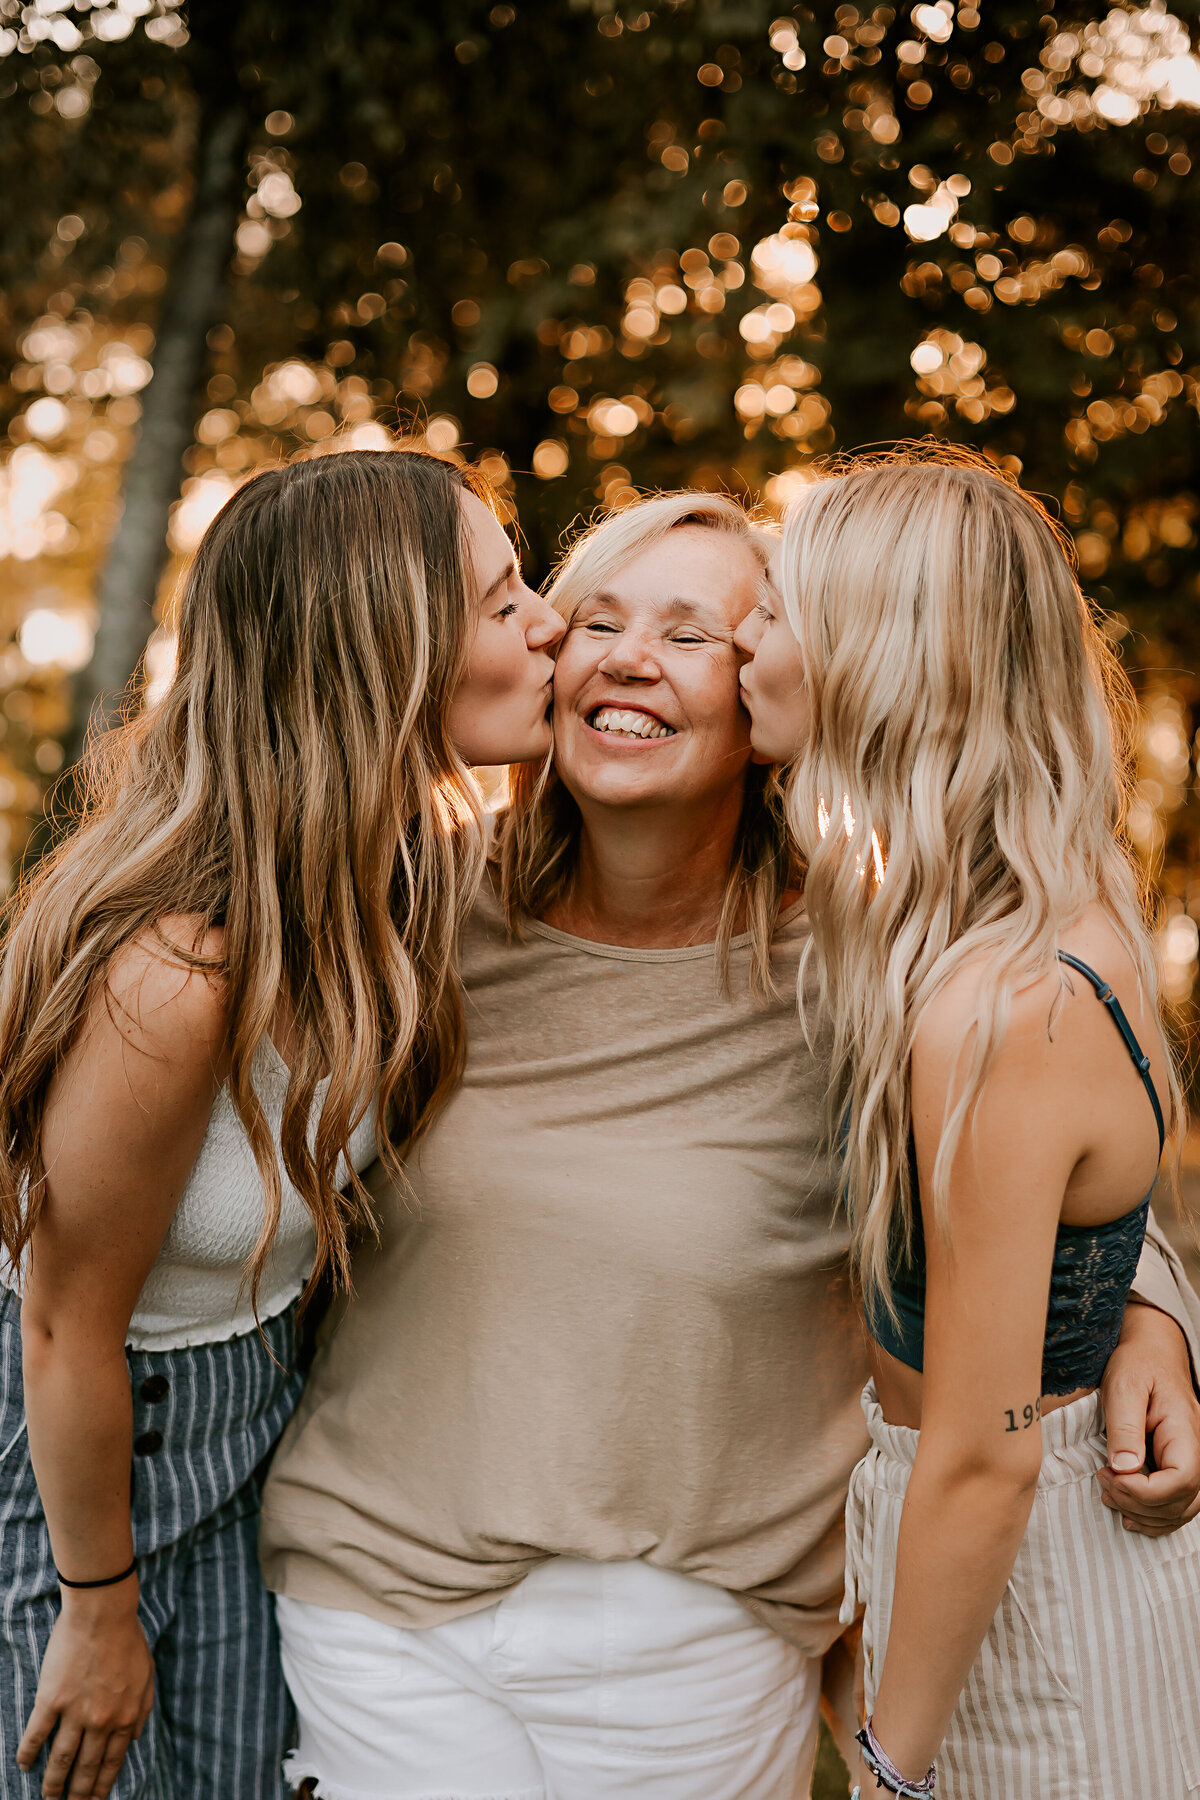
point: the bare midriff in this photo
(900, 1388)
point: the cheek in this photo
(496, 665)
(573, 667)
(719, 706)
(781, 674)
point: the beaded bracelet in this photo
(886, 1774)
(108, 1581)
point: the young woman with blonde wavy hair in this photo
(227, 992)
(958, 736)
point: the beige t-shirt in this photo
(613, 1318)
(612, 1321)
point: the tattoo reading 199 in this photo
(1028, 1416)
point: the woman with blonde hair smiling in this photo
(559, 1516)
(958, 739)
(242, 959)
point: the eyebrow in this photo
(502, 577)
(678, 606)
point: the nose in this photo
(748, 635)
(631, 656)
(545, 626)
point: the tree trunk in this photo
(125, 602)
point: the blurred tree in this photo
(192, 303)
(609, 247)
(518, 244)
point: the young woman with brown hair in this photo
(228, 991)
(958, 741)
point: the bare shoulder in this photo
(1029, 1052)
(1050, 1029)
(165, 991)
(1096, 941)
(951, 1017)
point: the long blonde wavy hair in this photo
(962, 791)
(537, 842)
(296, 787)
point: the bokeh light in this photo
(50, 639)
(690, 319)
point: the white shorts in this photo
(589, 1680)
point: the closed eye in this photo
(507, 611)
(764, 611)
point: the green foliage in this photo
(481, 187)
(504, 148)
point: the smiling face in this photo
(646, 705)
(772, 681)
(500, 710)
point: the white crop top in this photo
(191, 1295)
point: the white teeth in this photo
(629, 724)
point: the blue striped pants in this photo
(205, 1419)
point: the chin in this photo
(618, 791)
(528, 752)
(763, 750)
(531, 746)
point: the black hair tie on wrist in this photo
(108, 1581)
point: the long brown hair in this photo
(537, 844)
(296, 787)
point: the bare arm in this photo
(1161, 1282)
(125, 1119)
(976, 1468)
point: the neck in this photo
(651, 879)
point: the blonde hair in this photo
(296, 787)
(538, 839)
(962, 792)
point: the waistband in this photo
(1073, 1441)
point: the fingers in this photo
(66, 1743)
(1154, 1492)
(1126, 1404)
(89, 1761)
(1177, 1450)
(1153, 1504)
(110, 1766)
(42, 1721)
(1171, 1483)
(90, 1758)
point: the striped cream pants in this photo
(1087, 1686)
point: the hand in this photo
(96, 1687)
(1149, 1399)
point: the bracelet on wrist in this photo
(106, 1581)
(886, 1774)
